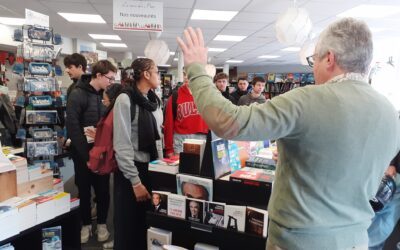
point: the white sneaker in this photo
(102, 232)
(108, 245)
(86, 232)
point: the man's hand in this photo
(91, 132)
(141, 192)
(391, 171)
(193, 50)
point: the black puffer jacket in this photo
(396, 162)
(84, 108)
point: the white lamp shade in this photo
(211, 70)
(307, 50)
(293, 26)
(158, 51)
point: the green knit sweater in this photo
(335, 140)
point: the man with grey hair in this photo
(335, 139)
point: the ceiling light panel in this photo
(82, 18)
(105, 37)
(213, 15)
(229, 38)
(234, 61)
(291, 49)
(12, 21)
(216, 49)
(371, 11)
(269, 56)
(115, 45)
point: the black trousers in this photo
(130, 215)
(85, 180)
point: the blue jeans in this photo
(384, 221)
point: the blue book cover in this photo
(220, 156)
(51, 238)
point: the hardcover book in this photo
(235, 217)
(214, 213)
(176, 206)
(157, 237)
(194, 187)
(220, 154)
(159, 202)
(256, 221)
(253, 176)
(195, 210)
(51, 238)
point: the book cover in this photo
(51, 238)
(194, 187)
(256, 221)
(253, 176)
(220, 156)
(195, 210)
(159, 202)
(176, 206)
(214, 213)
(157, 237)
(195, 146)
(271, 78)
(235, 217)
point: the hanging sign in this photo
(137, 15)
(36, 18)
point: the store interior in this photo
(243, 39)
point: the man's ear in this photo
(98, 75)
(330, 61)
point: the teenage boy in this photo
(75, 67)
(221, 82)
(85, 108)
(256, 94)
(242, 86)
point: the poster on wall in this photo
(137, 15)
(36, 18)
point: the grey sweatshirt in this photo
(126, 140)
(335, 141)
(249, 99)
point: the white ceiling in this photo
(255, 20)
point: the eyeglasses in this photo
(311, 60)
(110, 79)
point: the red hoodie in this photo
(188, 119)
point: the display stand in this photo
(32, 238)
(187, 234)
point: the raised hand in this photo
(193, 49)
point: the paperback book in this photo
(235, 217)
(51, 238)
(195, 210)
(256, 221)
(214, 213)
(157, 237)
(176, 206)
(159, 202)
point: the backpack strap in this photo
(174, 104)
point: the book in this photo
(52, 238)
(176, 206)
(159, 202)
(157, 237)
(9, 217)
(7, 247)
(26, 212)
(164, 166)
(235, 217)
(259, 161)
(214, 213)
(253, 176)
(256, 221)
(45, 208)
(194, 187)
(195, 210)
(220, 155)
(196, 147)
(74, 202)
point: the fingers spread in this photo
(182, 45)
(189, 42)
(193, 36)
(200, 37)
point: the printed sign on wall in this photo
(137, 15)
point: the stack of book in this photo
(21, 166)
(166, 165)
(253, 176)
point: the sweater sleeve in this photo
(122, 132)
(75, 109)
(270, 120)
(169, 127)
